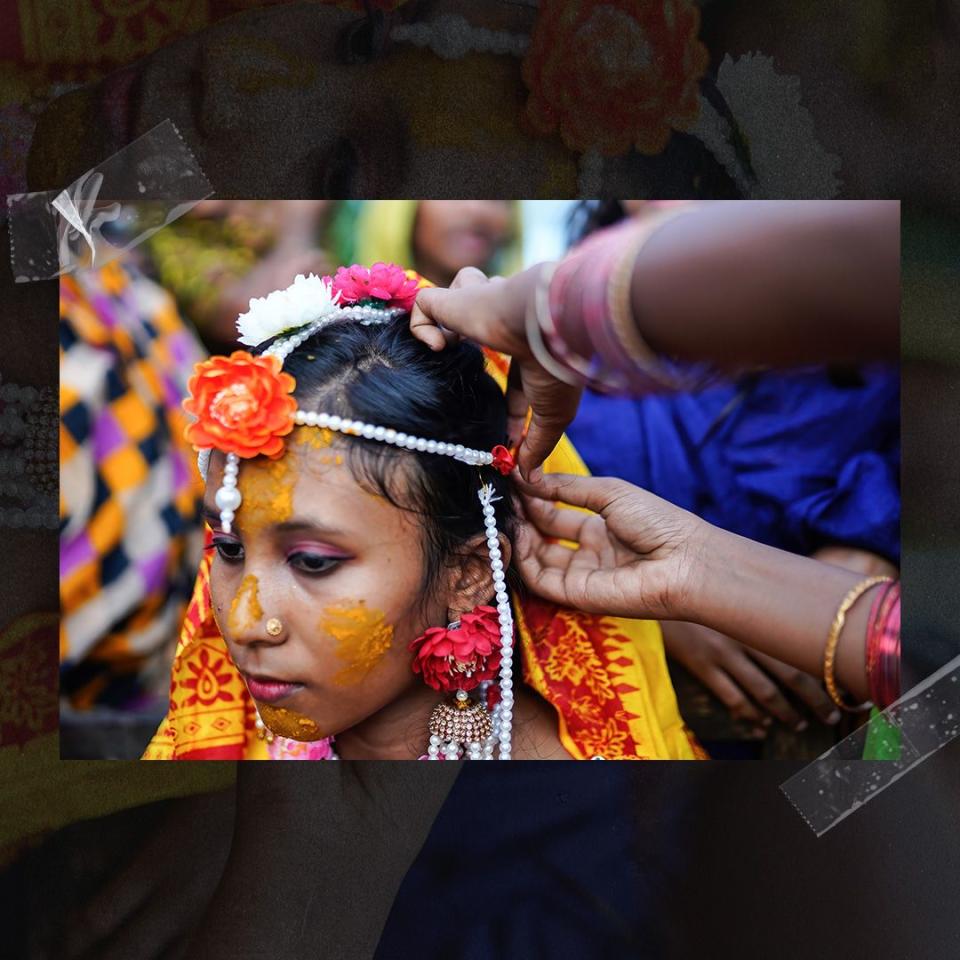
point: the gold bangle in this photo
(833, 641)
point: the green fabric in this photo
(883, 738)
(342, 232)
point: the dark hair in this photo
(381, 374)
(588, 216)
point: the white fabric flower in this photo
(307, 299)
(787, 159)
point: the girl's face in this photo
(452, 234)
(339, 568)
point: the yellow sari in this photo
(606, 677)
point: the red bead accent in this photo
(503, 459)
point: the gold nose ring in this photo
(274, 627)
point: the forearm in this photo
(772, 283)
(781, 604)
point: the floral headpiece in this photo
(243, 405)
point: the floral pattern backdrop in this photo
(814, 100)
(48, 47)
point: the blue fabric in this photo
(793, 460)
(543, 859)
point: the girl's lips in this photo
(270, 691)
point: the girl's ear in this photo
(471, 577)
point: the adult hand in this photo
(634, 556)
(492, 312)
(750, 684)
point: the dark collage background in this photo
(721, 864)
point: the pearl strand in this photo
(366, 315)
(229, 498)
(505, 614)
(357, 428)
(451, 37)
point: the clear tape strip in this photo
(838, 783)
(107, 211)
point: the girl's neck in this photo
(397, 732)
(400, 730)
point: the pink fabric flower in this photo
(283, 748)
(459, 659)
(382, 281)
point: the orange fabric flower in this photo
(611, 74)
(242, 404)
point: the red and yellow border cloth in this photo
(605, 676)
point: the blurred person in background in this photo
(806, 461)
(130, 494)
(223, 253)
(438, 238)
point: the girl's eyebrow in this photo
(294, 525)
(298, 524)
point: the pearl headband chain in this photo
(229, 498)
(357, 428)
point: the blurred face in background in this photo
(449, 235)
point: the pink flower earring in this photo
(455, 659)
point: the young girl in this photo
(351, 581)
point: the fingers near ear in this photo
(554, 521)
(594, 493)
(554, 405)
(539, 443)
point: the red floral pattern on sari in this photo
(568, 658)
(211, 715)
(209, 681)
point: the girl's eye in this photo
(313, 563)
(229, 550)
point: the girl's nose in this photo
(249, 621)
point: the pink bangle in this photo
(587, 323)
(883, 647)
